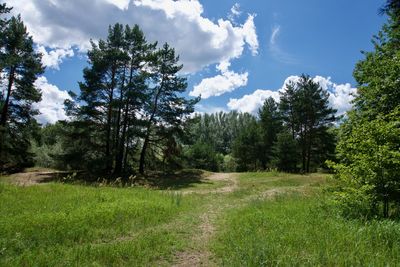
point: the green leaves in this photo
(369, 147)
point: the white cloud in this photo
(226, 82)
(340, 96)
(251, 103)
(235, 10)
(52, 105)
(276, 50)
(250, 35)
(54, 58)
(66, 24)
(274, 35)
(234, 13)
(121, 4)
(203, 109)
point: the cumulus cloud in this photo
(51, 106)
(340, 96)
(65, 24)
(53, 58)
(226, 82)
(251, 103)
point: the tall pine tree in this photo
(166, 109)
(20, 65)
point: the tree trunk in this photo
(109, 117)
(120, 152)
(309, 152)
(118, 142)
(386, 207)
(143, 152)
(4, 112)
(303, 149)
(146, 140)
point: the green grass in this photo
(293, 230)
(58, 224)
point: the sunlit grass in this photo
(292, 229)
(58, 224)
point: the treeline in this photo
(295, 135)
(130, 115)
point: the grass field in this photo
(251, 219)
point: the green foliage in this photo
(21, 65)
(229, 164)
(48, 148)
(306, 112)
(130, 108)
(271, 125)
(285, 151)
(377, 74)
(370, 162)
(218, 129)
(166, 110)
(203, 156)
(247, 147)
(368, 150)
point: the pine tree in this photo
(271, 125)
(166, 110)
(20, 65)
(306, 111)
(285, 152)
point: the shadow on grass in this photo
(178, 180)
(152, 179)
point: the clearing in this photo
(200, 219)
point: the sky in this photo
(235, 53)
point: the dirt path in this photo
(199, 254)
(229, 178)
(34, 177)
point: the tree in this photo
(218, 129)
(114, 91)
(306, 111)
(369, 145)
(166, 110)
(203, 156)
(246, 147)
(20, 65)
(285, 152)
(271, 125)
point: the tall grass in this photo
(294, 230)
(57, 224)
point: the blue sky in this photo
(236, 53)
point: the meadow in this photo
(249, 219)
